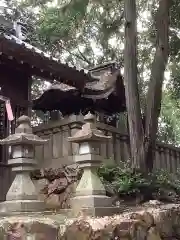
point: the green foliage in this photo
(81, 31)
(128, 182)
(124, 179)
(169, 129)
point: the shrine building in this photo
(72, 91)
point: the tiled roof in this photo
(41, 63)
(28, 46)
(99, 95)
(98, 89)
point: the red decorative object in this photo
(9, 111)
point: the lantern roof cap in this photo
(89, 132)
(23, 134)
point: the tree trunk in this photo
(131, 86)
(154, 96)
(143, 138)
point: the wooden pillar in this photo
(29, 97)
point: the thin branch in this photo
(84, 57)
(74, 54)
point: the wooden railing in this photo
(59, 151)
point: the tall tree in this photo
(142, 140)
(154, 95)
(131, 85)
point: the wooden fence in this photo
(59, 151)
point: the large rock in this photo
(56, 186)
(24, 228)
(61, 201)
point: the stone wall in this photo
(147, 223)
(152, 221)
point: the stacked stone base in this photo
(93, 205)
(91, 212)
(148, 223)
(22, 206)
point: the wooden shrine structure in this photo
(96, 89)
(72, 90)
(101, 91)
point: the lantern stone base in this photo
(22, 206)
(91, 201)
(100, 211)
(93, 205)
(91, 212)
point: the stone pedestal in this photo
(22, 195)
(90, 197)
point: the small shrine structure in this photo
(72, 91)
(96, 89)
(101, 91)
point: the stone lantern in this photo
(90, 193)
(22, 195)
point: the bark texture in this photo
(142, 139)
(154, 96)
(131, 85)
